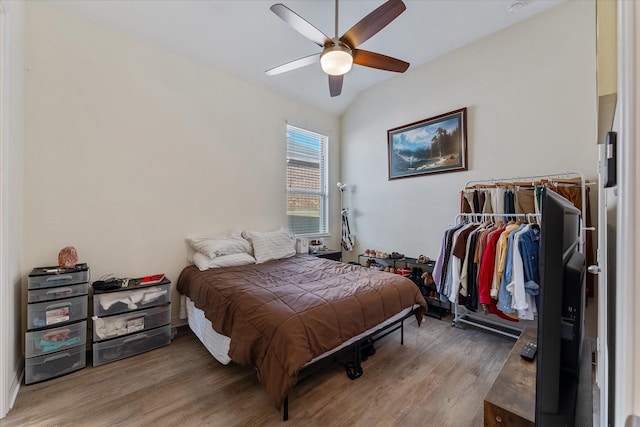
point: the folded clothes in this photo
(112, 328)
(131, 298)
(47, 346)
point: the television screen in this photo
(560, 311)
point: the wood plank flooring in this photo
(438, 378)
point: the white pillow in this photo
(203, 262)
(271, 245)
(225, 244)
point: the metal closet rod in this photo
(482, 217)
(491, 215)
(527, 178)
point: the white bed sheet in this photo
(218, 344)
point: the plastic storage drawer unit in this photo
(56, 338)
(50, 340)
(130, 345)
(127, 323)
(137, 298)
(47, 277)
(48, 294)
(50, 313)
(55, 364)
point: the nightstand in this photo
(333, 254)
(130, 320)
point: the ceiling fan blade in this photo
(301, 25)
(372, 23)
(335, 85)
(298, 63)
(379, 61)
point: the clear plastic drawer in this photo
(56, 339)
(46, 277)
(48, 294)
(49, 313)
(128, 323)
(120, 301)
(130, 345)
(55, 364)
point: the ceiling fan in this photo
(340, 53)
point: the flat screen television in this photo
(561, 304)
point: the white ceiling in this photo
(244, 38)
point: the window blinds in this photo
(307, 194)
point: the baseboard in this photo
(176, 323)
(16, 381)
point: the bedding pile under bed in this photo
(282, 314)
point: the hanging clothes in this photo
(486, 207)
(457, 259)
(487, 266)
(347, 238)
(441, 266)
(461, 279)
(504, 296)
(469, 285)
(524, 200)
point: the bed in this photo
(282, 315)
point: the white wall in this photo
(607, 28)
(130, 148)
(12, 126)
(530, 91)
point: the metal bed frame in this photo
(357, 352)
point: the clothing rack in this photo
(491, 322)
(563, 178)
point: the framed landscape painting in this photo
(434, 145)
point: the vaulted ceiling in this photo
(244, 38)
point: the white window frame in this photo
(323, 192)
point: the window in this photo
(307, 195)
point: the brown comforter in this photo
(282, 314)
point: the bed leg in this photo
(354, 368)
(285, 409)
(402, 332)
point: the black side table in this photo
(333, 254)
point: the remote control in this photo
(528, 352)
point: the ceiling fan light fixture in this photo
(336, 60)
(339, 53)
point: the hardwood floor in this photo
(438, 378)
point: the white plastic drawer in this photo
(128, 323)
(49, 313)
(120, 301)
(56, 339)
(48, 294)
(62, 278)
(55, 364)
(130, 345)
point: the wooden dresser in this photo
(511, 400)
